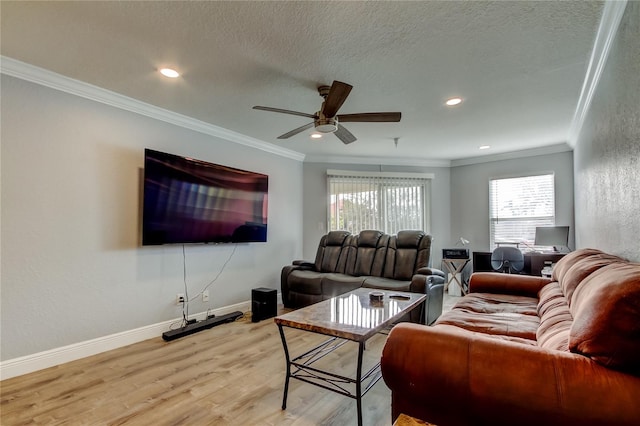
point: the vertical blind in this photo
(386, 203)
(518, 205)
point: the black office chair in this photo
(507, 260)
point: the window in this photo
(518, 205)
(389, 202)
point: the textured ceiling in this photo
(518, 65)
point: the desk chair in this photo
(507, 260)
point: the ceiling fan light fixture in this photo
(453, 101)
(484, 147)
(326, 125)
(316, 135)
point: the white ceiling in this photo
(518, 65)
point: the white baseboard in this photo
(30, 363)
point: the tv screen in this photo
(192, 201)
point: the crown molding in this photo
(611, 16)
(43, 77)
(545, 150)
(417, 162)
(386, 161)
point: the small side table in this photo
(455, 267)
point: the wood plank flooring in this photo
(232, 374)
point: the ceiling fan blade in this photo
(285, 111)
(296, 131)
(336, 97)
(344, 135)
(378, 117)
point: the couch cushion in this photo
(386, 284)
(371, 252)
(495, 314)
(504, 323)
(555, 319)
(305, 281)
(493, 303)
(408, 251)
(520, 340)
(369, 238)
(573, 268)
(409, 239)
(329, 250)
(606, 312)
(336, 284)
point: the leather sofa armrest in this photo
(304, 264)
(434, 371)
(296, 265)
(496, 282)
(430, 271)
(433, 287)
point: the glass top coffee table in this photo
(351, 316)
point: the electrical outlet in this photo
(205, 296)
(180, 299)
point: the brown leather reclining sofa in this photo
(524, 350)
(370, 259)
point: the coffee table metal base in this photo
(354, 316)
(301, 368)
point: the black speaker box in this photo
(482, 261)
(264, 303)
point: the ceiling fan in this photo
(327, 121)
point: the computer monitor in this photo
(553, 236)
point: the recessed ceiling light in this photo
(484, 147)
(316, 135)
(168, 72)
(453, 101)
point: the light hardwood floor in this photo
(232, 374)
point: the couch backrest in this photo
(555, 318)
(602, 292)
(606, 312)
(370, 252)
(408, 251)
(329, 251)
(374, 253)
(573, 268)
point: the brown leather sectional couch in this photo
(370, 259)
(526, 350)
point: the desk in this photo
(455, 267)
(533, 262)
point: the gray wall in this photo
(315, 203)
(607, 153)
(470, 193)
(72, 268)
(460, 198)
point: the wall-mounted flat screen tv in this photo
(192, 201)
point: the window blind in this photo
(518, 205)
(386, 203)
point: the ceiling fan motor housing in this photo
(326, 125)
